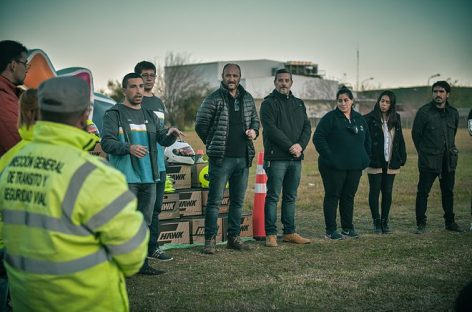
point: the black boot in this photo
(385, 228)
(377, 226)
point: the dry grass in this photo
(395, 272)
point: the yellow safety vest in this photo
(70, 225)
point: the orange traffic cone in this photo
(260, 191)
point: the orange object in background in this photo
(260, 191)
(40, 69)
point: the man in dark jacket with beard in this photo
(286, 134)
(434, 131)
(227, 123)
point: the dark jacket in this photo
(9, 134)
(434, 131)
(285, 123)
(212, 122)
(338, 144)
(115, 118)
(376, 154)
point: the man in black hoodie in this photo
(286, 134)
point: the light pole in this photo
(362, 83)
(431, 77)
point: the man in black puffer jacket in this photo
(227, 122)
(286, 134)
(434, 131)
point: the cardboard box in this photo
(170, 206)
(190, 202)
(197, 230)
(175, 232)
(224, 202)
(181, 175)
(246, 226)
(196, 169)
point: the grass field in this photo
(398, 272)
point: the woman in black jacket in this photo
(342, 140)
(387, 154)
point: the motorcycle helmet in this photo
(181, 153)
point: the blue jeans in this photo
(235, 171)
(283, 175)
(146, 194)
(154, 227)
(4, 294)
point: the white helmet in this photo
(180, 152)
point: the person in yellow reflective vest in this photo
(68, 246)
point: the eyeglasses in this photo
(25, 63)
(149, 75)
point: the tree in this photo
(184, 90)
(114, 91)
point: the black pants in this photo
(381, 182)
(340, 188)
(446, 182)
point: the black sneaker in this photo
(160, 255)
(377, 226)
(453, 227)
(235, 242)
(385, 227)
(420, 229)
(333, 235)
(349, 233)
(149, 270)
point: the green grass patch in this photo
(397, 272)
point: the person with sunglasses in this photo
(342, 140)
(13, 69)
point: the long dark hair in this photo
(392, 111)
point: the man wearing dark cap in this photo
(13, 68)
(70, 225)
(434, 131)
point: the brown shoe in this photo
(295, 238)
(210, 246)
(271, 241)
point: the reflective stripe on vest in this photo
(130, 245)
(76, 182)
(56, 268)
(111, 210)
(64, 225)
(32, 219)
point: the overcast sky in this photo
(400, 42)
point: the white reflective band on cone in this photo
(260, 169)
(260, 188)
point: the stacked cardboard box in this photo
(182, 217)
